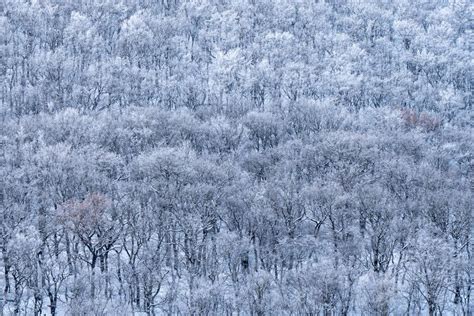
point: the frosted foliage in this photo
(216, 157)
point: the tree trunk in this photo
(38, 306)
(431, 308)
(68, 254)
(17, 300)
(53, 301)
(93, 264)
(6, 271)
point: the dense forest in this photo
(236, 157)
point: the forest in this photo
(236, 157)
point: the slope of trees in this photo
(239, 157)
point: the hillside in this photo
(246, 157)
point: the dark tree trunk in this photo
(53, 301)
